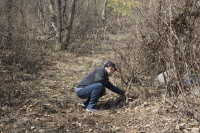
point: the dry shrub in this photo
(19, 56)
(164, 36)
(24, 58)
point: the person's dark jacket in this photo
(100, 75)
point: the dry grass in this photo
(37, 84)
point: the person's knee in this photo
(99, 86)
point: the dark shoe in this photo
(84, 105)
(89, 109)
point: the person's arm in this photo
(113, 88)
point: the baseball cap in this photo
(108, 64)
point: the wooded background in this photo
(156, 36)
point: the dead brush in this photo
(164, 37)
(131, 64)
(19, 56)
(16, 63)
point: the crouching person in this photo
(92, 86)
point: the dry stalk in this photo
(129, 83)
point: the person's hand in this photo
(129, 95)
(104, 93)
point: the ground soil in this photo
(54, 107)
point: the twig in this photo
(171, 103)
(172, 128)
(26, 84)
(129, 84)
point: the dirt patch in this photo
(54, 107)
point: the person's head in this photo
(110, 67)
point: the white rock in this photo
(168, 75)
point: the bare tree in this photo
(95, 7)
(9, 5)
(59, 26)
(104, 13)
(69, 25)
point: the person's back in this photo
(99, 75)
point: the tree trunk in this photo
(104, 16)
(9, 35)
(69, 25)
(64, 8)
(9, 5)
(104, 13)
(41, 14)
(59, 26)
(95, 8)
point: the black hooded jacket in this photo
(100, 75)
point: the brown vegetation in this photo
(37, 83)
